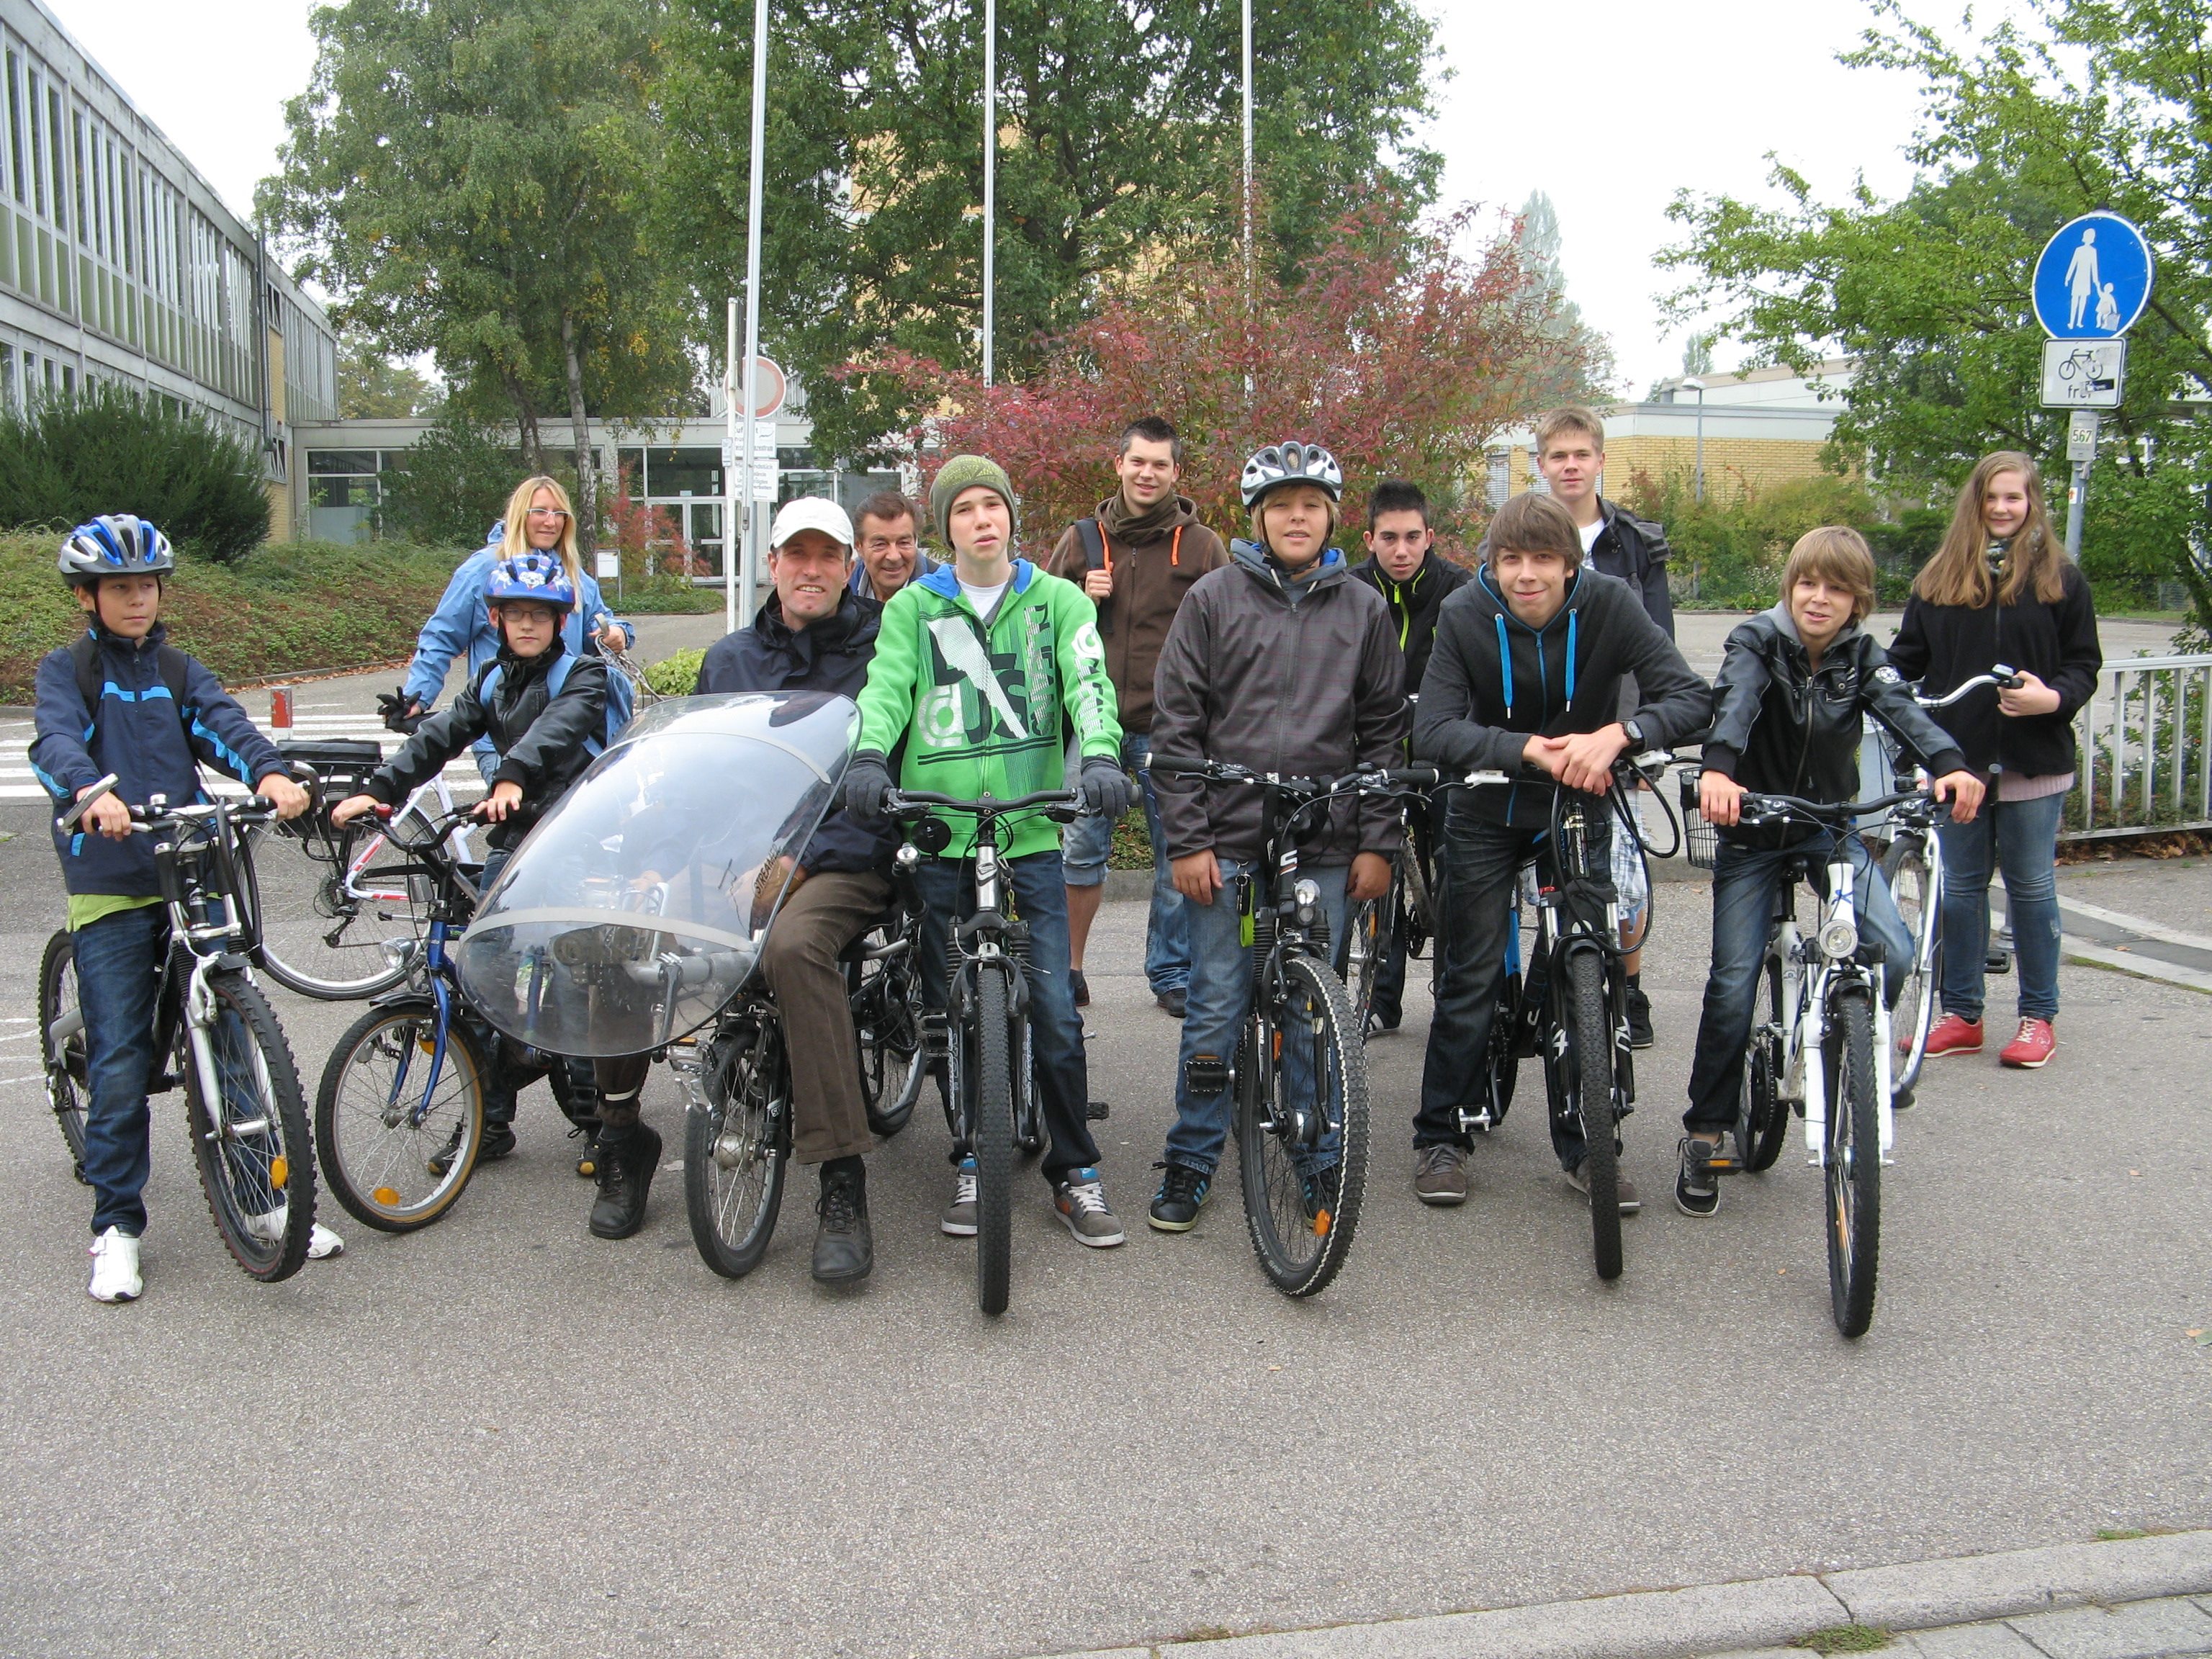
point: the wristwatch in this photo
(1634, 729)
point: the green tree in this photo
(371, 387)
(1120, 138)
(2092, 104)
(455, 484)
(467, 178)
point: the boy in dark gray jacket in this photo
(1281, 663)
(1525, 678)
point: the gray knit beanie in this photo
(964, 473)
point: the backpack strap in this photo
(171, 663)
(1096, 555)
(556, 677)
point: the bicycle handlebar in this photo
(917, 803)
(149, 818)
(1772, 806)
(1368, 780)
(2003, 676)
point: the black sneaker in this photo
(1696, 1184)
(1174, 1000)
(844, 1245)
(1639, 1018)
(1181, 1197)
(627, 1167)
(498, 1142)
(1079, 987)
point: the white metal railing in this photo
(2145, 760)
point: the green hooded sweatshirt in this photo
(980, 708)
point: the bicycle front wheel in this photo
(1909, 870)
(1302, 1129)
(339, 916)
(1370, 931)
(737, 1147)
(1854, 1160)
(1589, 1042)
(61, 1044)
(397, 1146)
(887, 1027)
(993, 1144)
(248, 1127)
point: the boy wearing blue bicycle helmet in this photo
(123, 700)
(544, 707)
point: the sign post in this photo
(2092, 282)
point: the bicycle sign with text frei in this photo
(2091, 284)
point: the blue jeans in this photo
(1221, 997)
(2022, 837)
(1063, 1079)
(118, 960)
(1083, 852)
(1744, 881)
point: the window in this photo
(7, 377)
(76, 157)
(38, 147)
(15, 126)
(669, 473)
(55, 159)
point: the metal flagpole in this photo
(730, 476)
(1248, 194)
(751, 543)
(990, 179)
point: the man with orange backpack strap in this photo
(1136, 557)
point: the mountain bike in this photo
(343, 914)
(1823, 1049)
(214, 1032)
(992, 1100)
(737, 1082)
(1299, 1075)
(1570, 1002)
(1913, 867)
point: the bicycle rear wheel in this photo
(395, 1162)
(887, 1025)
(737, 1146)
(1589, 1042)
(1762, 1120)
(1370, 931)
(993, 1144)
(1302, 1129)
(339, 916)
(1909, 868)
(248, 1129)
(1854, 1161)
(61, 1044)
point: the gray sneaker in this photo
(1081, 1201)
(959, 1217)
(1440, 1174)
(1630, 1200)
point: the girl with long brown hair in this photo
(2000, 589)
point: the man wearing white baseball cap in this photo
(814, 635)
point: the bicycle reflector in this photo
(1838, 939)
(1306, 895)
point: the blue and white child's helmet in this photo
(537, 576)
(115, 544)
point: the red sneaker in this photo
(1953, 1036)
(2031, 1048)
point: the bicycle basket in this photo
(1701, 843)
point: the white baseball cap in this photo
(811, 512)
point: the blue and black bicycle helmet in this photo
(537, 576)
(115, 544)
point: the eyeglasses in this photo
(545, 513)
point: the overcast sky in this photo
(1640, 99)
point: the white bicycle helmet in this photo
(115, 544)
(1292, 462)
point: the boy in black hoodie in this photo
(1525, 678)
(1793, 686)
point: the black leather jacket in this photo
(1783, 728)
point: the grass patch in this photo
(285, 608)
(669, 598)
(1843, 1638)
(2120, 1535)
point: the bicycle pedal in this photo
(1098, 1111)
(1724, 1165)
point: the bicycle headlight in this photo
(1838, 939)
(1306, 895)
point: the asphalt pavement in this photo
(503, 1435)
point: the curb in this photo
(1716, 1618)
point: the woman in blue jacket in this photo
(540, 516)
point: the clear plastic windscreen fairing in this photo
(637, 908)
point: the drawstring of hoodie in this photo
(1572, 617)
(1505, 663)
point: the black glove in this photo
(1105, 788)
(394, 706)
(867, 785)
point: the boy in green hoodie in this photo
(976, 667)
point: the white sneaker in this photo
(115, 1267)
(959, 1217)
(269, 1225)
(323, 1243)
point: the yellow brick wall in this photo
(280, 511)
(1733, 465)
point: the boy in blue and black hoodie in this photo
(123, 700)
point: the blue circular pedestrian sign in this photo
(2093, 279)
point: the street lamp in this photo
(990, 182)
(1693, 384)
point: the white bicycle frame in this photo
(1804, 1080)
(456, 844)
